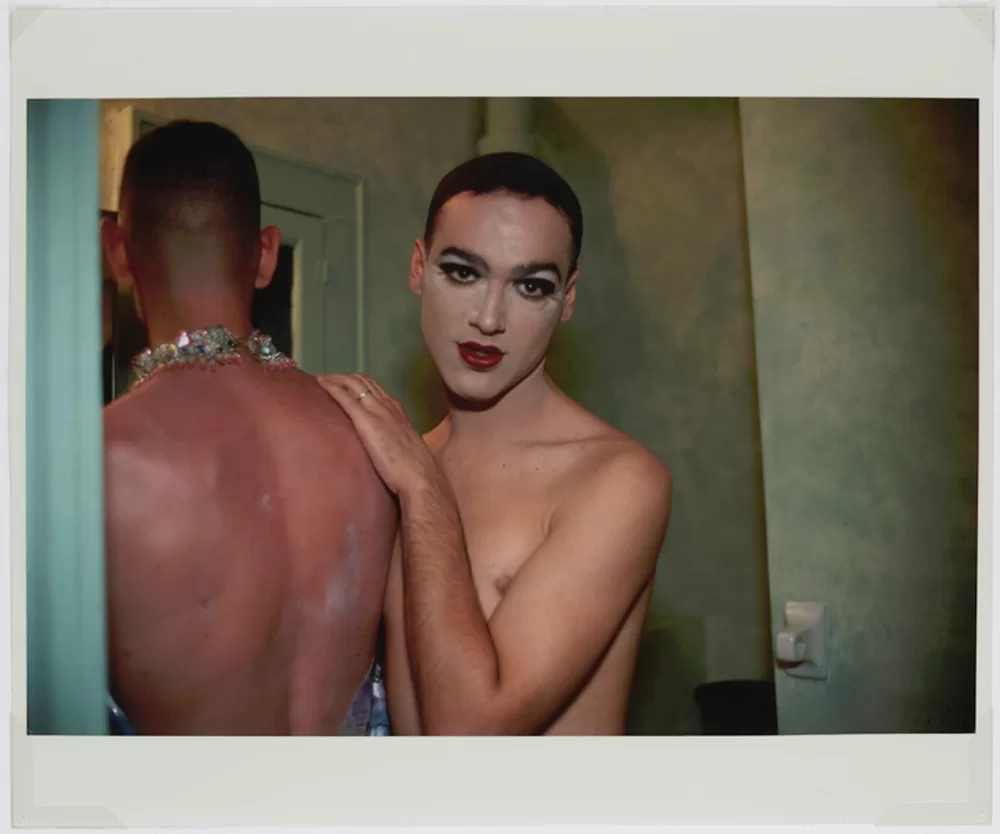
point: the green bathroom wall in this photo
(864, 255)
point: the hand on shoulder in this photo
(394, 446)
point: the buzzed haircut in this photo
(187, 176)
(515, 173)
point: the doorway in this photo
(272, 305)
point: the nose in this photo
(489, 316)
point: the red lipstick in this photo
(480, 357)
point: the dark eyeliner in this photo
(451, 268)
(545, 286)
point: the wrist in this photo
(422, 482)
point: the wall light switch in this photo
(800, 648)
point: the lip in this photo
(480, 357)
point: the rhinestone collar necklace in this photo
(214, 345)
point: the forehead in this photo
(504, 225)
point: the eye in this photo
(460, 273)
(536, 287)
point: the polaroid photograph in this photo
(600, 397)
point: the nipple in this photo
(502, 582)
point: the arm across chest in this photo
(503, 530)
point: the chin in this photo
(476, 388)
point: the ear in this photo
(113, 244)
(418, 261)
(570, 297)
(270, 244)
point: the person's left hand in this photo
(395, 447)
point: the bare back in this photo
(248, 540)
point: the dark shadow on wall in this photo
(937, 157)
(669, 667)
(425, 392)
(605, 331)
(763, 587)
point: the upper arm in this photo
(570, 600)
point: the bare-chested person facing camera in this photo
(530, 528)
(248, 536)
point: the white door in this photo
(303, 233)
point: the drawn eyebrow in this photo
(518, 272)
(468, 257)
(538, 266)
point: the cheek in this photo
(532, 325)
(441, 311)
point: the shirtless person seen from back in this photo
(248, 536)
(530, 528)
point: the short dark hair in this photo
(184, 172)
(515, 173)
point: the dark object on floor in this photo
(737, 708)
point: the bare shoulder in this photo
(132, 427)
(613, 477)
(123, 416)
(616, 464)
(141, 448)
(629, 464)
(301, 392)
(606, 455)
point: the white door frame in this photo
(66, 658)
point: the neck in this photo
(168, 317)
(508, 419)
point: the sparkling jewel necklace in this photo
(214, 345)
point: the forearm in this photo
(452, 656)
